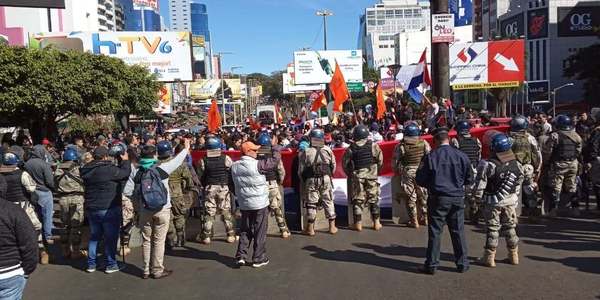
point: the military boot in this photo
(413, 223)
(332, 228)
(513, 256)
(44, 257)
(285, 234)
(488, 258)
(423, 220)
(231, 238)
(377, 224)
(205, 241)
(310, 229)
(357, 223)
(180, 239)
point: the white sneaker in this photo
(261, 264)
(90, 270)
(240, 262)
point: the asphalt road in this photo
(560, 259)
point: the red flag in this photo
(278, 114)
(338, 88)
(423, 60)
(214, 118)
(319, 102)
(253, 124)
(380, 102)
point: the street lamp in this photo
(324, 13)
(220, 55)
(554, 96)
(233, 105)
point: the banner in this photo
(316, 67)
(513, 27)
(462, 11)
(442, 28)
(146, 3)
(579, 21)
(537, 23)
(165, 96)
(204, 89)
(166, 54)
(538, 91)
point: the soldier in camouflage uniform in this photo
(593, 159)
(564, 147)
(471, 146)
(362, 162)
(70, 198)
(270, 165)
(316, 166)
(215, 173)
(497, 185)
(529, 155)
(407, 158)
(179, 182)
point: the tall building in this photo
(199, 17)
(553, 30)
(380, 23)
(133, 17)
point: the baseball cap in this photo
(100, 152)
(45, 141)
(249, 146)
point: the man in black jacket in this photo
(104, 182)
(41, 171)
(18, 248)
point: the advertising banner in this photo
(165, 96)
(207, 88)
(442, 28)
(289, 86)
(579, 21)
(462, 11)
(317, 67)
(513, 26)
(146, 3)
(487, 64)
(538, 91)
(537, 23)
(166, 54)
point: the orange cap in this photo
(249, 146)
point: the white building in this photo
(380, 23)
(179, 11)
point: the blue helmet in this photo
(412, 130)
(501, 143)
(264, 139)
(213, 143)
(70, 154)
(317, 133)
(519, 123)
(10, 159)
(463, 126)
(564, 122)
(164, 149)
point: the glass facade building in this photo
(199, 20)
(133, 18)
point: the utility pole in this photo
(233, 104)
(439, 57)
(325, 13)
(220, 55)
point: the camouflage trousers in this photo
(470, 199)
(319, 194)
(71, 215)
(275, 201)
(563, 176)
(217, 200)
(365, 192)
(127, 210)
(414, 196)
(37, 225)
(179, 213)
(529, 188)
(500, 220)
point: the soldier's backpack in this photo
(150, 189)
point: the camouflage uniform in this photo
(363, 165)
(271, 165)
(316, 165)
(529, 155)
(471, 146)
(563, 147)
(593, 161)
(214, 171)
(179, 182)
(497, 184)
(407, 158)
(70, 198)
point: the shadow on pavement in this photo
(365, 258)
(563, 234)
(193, 253)
(583, 264)
(418, 252)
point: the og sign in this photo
(442, 28)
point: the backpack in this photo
(151, 191)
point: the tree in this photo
(272, 84)
(40, 87)
(370, 74)
(584, 65)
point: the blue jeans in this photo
(450, 211)
(104, 223)
(45, 210)
(12, 288)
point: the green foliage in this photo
(272, 84)
(90, 125)
(370, 74)
(39, 86)
(584, 65)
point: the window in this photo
(371, 22)
(380, 22)
(408, 13)
(399, 12)
(370, 12)
(389, 13)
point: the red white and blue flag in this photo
(420, 79)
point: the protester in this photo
(445, 172)
(252, 192)
(103, 183)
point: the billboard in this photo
(579, 21)
(317, 67)
(166, 54)
(513, 26)
(462, 11)
(34, 3)
(204, 89)
(290, 86)
(146, 3)
(537, 23)
(442, 28)
(487, 64)
(165, 95)
(538, 91)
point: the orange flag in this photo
(319, 102)
(214, 118)
(380, 102)
(278, 114)
(338, 88)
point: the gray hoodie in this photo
(39, 169)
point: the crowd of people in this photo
(115, 181)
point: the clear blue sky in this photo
(264, 33)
